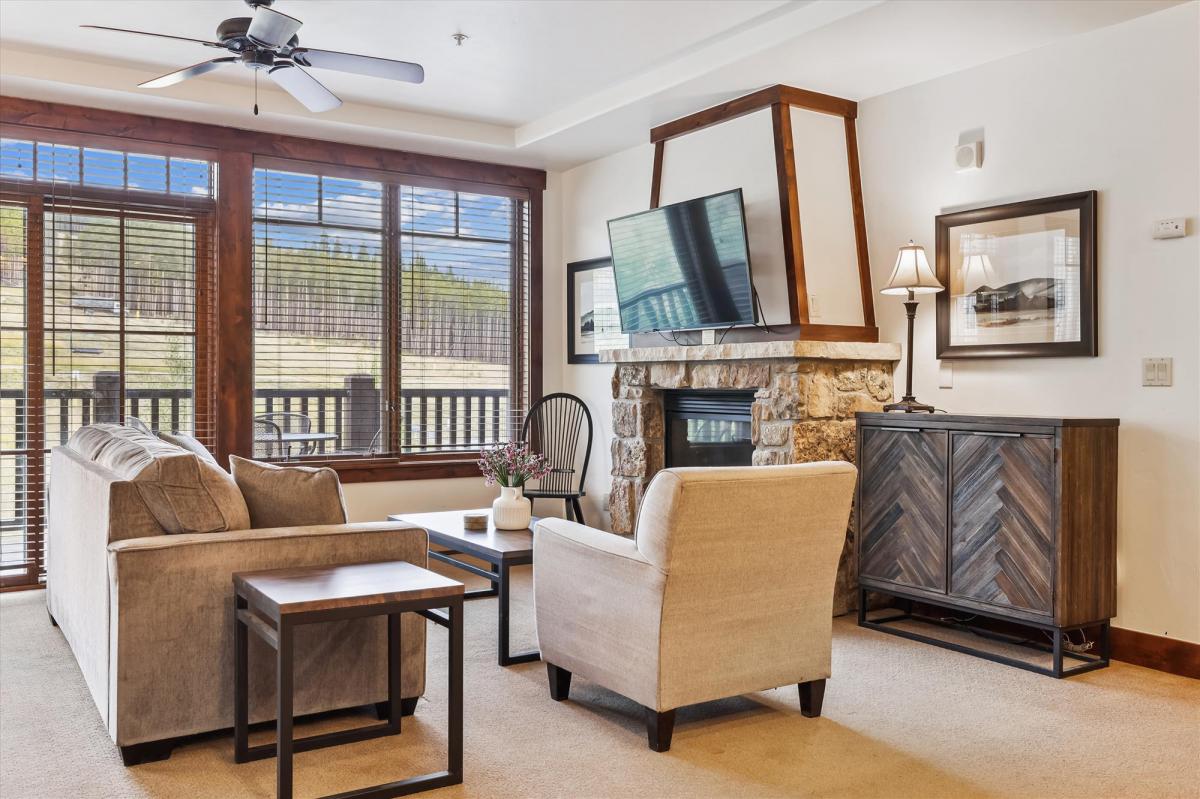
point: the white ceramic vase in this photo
(511, 510)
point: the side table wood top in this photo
(284, 591)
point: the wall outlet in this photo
(1157, 371)
(1170, 228)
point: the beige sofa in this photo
(727, 588)
(149, 615)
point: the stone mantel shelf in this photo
(757, 350)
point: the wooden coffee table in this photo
(501, 549)
(274, 603)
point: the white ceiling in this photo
(548, 83)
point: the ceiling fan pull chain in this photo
(256, 92)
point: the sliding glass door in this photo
(105, 314)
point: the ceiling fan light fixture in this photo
(268, 41)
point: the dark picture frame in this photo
(1009, 305)
(577, 350)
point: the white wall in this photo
(826, 219)
(1115, 110)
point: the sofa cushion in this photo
(183, 492)
(289, 496)
(192, 445)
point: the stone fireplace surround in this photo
(804, 406)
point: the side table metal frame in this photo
(279, 634)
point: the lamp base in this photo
(909, 405)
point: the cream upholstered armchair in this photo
(727, 588)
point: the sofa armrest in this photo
(171, 606)
(599, 602)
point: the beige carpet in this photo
(901, 719)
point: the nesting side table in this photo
(273, 603)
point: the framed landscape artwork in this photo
(1020, 279)
(593, 317)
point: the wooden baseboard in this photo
(1156, 652)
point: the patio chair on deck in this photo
(288, 424)
(268, 439)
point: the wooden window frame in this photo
(236, 152)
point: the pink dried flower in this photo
(512, 464)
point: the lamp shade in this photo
(912, 273)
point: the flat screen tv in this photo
(683, 266)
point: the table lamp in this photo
(912, 276)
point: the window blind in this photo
(390, 320)
(464, 316)
(107, 289)
(319, 355)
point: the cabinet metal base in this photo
(887, 623)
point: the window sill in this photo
(389, 469)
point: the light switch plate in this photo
(1170, 228)
(1157, 371)
(945, 375)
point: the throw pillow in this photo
(289, 496)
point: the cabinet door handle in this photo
(901, 429)
(995, 434)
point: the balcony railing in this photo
(432, 419)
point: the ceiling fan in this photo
(268, 41)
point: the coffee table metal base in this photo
(499, 577)
(280, 637)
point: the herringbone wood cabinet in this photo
(1012, 516)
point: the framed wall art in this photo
(1020, 279)
(593, 317)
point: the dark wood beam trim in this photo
(536, 312)
(755, 101)
(35, 400)
(724, 112)
(1156, 652)
(366, 472)
(235, 311)
(867, 333)
(860, 224)
(656, 177)
(789, 213)
(61, 116)
(815, 101)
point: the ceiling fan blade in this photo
(159, 35)
(304, 87)
(179, 76)
(271, 28)
(359, 64)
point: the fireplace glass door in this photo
(708, 428)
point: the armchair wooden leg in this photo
(578, 510)
(812, 694)
(560, 682)
(659, 727)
